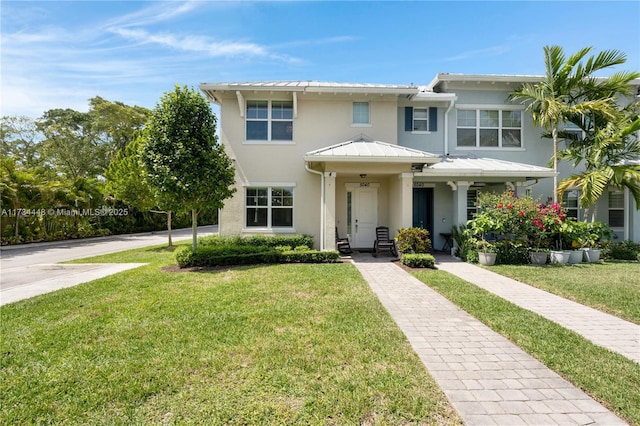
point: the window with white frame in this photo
(269, 120)
(616, 209)
(472, 203)
(570, 201)
(269, 207)
(572, 132)
(420, 119)
(361, 113)
(489, 128)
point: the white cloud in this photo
(490, 51)
(193, 43)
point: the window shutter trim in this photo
(433, 119)
(408, 119)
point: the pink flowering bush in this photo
(512, 226)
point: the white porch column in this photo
(401, 203)
(460, 189)
(406, 180)
(519, 188)
(329, 210)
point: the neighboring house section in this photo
(313, 157)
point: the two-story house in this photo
(313, 157)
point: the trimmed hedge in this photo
(226, 251)
(419, 260)
(258, 241)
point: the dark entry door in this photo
(423, 209)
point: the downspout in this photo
(310, 170)
(446, 128)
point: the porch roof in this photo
(364, 149)
(469, 166)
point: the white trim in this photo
(488, 148)
(276, 184)
(272, 231)
(263, 142)
(491, 106)
(241, 104)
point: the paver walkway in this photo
(602, 329)
(488, 379)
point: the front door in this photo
(365, 217)
(423, 209)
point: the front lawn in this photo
(612, 287)
(607, 376)
(280, 344)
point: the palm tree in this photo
(610, 154)
(569, 89)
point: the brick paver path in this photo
(488, 379)
(602, 329)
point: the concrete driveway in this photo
(32, 269)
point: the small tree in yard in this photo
(184, 163)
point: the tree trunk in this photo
(194, 229)
(16, 233)
(554, 133)
(169, 228)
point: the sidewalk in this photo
(488, 379)
(32, 269)
(602, 329)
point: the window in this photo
(616, 209)
(270, 120)
(489, 128)
(269, 207)
(472, 203)
(420, 120)
(361, 113)
(573, 133)
(570, 202)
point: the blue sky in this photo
(57, 54)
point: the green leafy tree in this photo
(69, 146)
(569, 88)
(127, 181)
(610, 154)
(184, 163)
(115, 124)
(20, 139)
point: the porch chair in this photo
(343, 244)
(383, 242)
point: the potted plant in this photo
(571, 233)
(593, 233)
(487, 253)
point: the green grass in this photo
(280, 344)
(612, 287)
(609, 377)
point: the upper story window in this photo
(269, 120)
(361, 114)
(420, 120)
(489, 128)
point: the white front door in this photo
(365, 217)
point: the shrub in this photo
(622, 250)
(418, 260)
(511, 252)
(259, 240)
(224, 251)
(413, 240)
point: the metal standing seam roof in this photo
(363, 150)
(481, 166)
